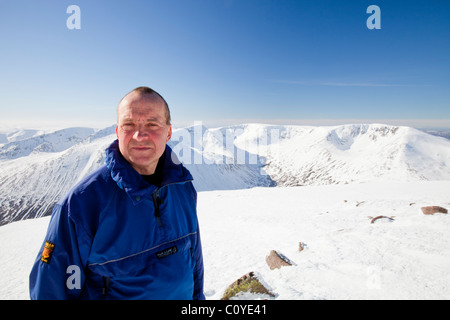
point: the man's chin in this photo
(144, 166)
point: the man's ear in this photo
(169, 133)
(117, 131)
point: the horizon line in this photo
(10, 124)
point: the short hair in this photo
(150, 91)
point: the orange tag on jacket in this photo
(47, 252)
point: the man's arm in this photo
(58, 272)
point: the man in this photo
(129, 230)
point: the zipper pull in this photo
(106, 285)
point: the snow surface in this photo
(345, 256)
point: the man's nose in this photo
(140, 133)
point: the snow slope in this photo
(36, 172)
(351, 153)
(345, 256)
(37, 168)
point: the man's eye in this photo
(127, 126)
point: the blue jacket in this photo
(115, 236)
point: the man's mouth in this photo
(141, 148)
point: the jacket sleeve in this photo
(198, 258)
(58, 272)
(198, 271)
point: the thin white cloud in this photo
(345, 84)
(415, 123)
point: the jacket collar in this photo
(128, 179)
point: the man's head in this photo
(143, 128)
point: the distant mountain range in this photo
(37, 168)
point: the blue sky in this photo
(227, 61)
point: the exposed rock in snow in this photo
(433, 209)
(276, 260)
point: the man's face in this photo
(142, 130)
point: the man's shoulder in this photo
(84, 203)
(97, 181)
(99, 176)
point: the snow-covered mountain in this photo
(356, 153)
(36, 171)
(37, 168)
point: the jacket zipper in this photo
(157, 201)
(106, 285)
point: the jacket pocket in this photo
(163, 272)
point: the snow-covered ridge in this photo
(37, 168)
(25, 142)
(358, 153)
